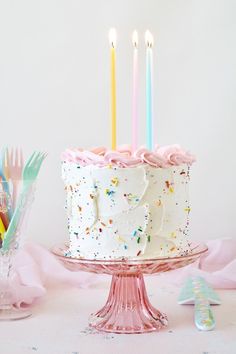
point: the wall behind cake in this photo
(54, 93)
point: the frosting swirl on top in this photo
(162, 156)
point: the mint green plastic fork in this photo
(29, 175)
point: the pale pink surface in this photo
(37, 269)
(165, 156)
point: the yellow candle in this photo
(2, 229)
(112, 36)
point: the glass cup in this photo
(7, 254)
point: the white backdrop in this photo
(54, 92)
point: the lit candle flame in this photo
(112, 37)
(148, 39)
(135, 39)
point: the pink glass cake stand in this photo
(128, 309)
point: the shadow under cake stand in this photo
(128, 309)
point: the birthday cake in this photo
(123, 204)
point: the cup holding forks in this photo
(13, 228)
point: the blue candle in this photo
(149, 91)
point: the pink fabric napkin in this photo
(37, 269)
(217, 266)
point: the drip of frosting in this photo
(163, 156)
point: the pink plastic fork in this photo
(13, 166)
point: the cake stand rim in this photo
(201, 248)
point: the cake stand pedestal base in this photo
(128, 309)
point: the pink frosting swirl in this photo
(150, 157)
(99, 150)
(121, 159)
(175, 155)
(161, 157)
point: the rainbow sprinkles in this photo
(121, 204)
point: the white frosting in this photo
(132, 212)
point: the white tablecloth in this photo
(59, 325)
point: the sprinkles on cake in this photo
(109, 192)
(98, 225)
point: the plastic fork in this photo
(13, 166)
(4, 181)
(2, 172)
(30, 174)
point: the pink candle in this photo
(149, 90)
(135, 93)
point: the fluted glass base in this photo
(128, 309)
